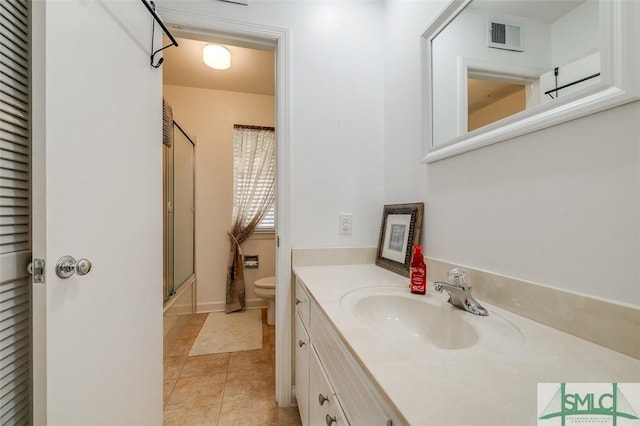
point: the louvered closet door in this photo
(15, 251)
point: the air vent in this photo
(504, 35)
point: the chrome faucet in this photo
(460, 293)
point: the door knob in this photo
(68, 266)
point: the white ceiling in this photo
(252, 70)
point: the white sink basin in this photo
(400, 315)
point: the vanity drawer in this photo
(301, 300)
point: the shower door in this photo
(180, 212)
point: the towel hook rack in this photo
(151, 8)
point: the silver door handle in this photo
(68, 266)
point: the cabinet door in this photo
(324, 408)
(336, 414)
(319, 392)
(302, 345)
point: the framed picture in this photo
(400, 230)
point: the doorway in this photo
(248, 34)
(210, 104)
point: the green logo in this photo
(584, 404)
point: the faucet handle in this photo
(457, 274)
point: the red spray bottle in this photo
(418, 280)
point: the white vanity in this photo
(367, 352)
(331, 386)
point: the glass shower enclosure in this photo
(179, 212)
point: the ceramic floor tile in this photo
(248, 412)
(197, 390)
(192, 415)
(178, 347)
(272, 341)
(289, 417)
(166, 390)
(173, 366)
(205, 365)
(250, 359)
(235, 388)
(256, 382)
(186, 332)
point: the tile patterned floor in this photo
(236, 388)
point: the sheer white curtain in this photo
(254, 195)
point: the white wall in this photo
(336, 112)
(209, 116)
(405, 177)
(574, 36)
(559, 207)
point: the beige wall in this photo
(209, 116)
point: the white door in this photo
(97, 195)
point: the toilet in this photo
(265, 288)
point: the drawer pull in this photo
(322, 399)
(330, 420)
(298, 301)
(301, 343)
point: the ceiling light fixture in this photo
(217, 57)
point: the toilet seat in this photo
(267, 283)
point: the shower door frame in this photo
(169, 217)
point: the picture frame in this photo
(399, 231)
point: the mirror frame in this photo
(619, 83)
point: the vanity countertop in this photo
(472, 386)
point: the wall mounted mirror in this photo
(496, 69)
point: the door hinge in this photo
(278, 241)
(36, 268)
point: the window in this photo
(254, 165)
